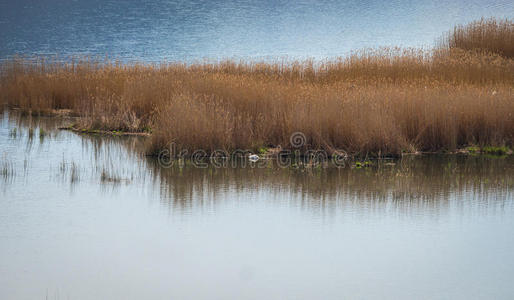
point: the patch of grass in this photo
(262, 150)
(491, 150)
(363, 164)
(473, 149)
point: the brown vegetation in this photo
(375, 101)
(490, 35)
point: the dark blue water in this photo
(193, 30)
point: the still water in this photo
(171, 30)
(84, 217)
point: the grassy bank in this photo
(374, 101)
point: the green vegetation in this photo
(473, 149)
(262, 150)
(489, 150)
(495, 150)
(363, 164)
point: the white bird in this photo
(253, 157)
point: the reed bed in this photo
(490, 35)
(382, 101)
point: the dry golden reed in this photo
(374, 101)
(491, 35)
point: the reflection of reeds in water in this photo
(109, 177)
(31, 133)
(32, 126)
(410, 183)
(42, 133)
(13, 133)
(114, 158)
(7, 170)
(69, 170)
(385, 101)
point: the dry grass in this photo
(491, 35)
(375, 101)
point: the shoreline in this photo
(268, 152)
(273, 152)
(104, 132)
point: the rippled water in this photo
(191, 30)
(85, 217)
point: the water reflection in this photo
(76, 206)
(421, 185)
(414, 184)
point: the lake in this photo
(90, 217)
(171, 30)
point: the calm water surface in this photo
(192, 30)
(84, 217)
